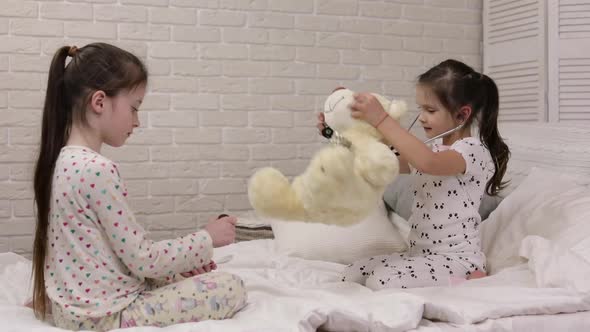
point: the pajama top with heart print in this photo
(98, 255)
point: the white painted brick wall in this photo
(234, 86)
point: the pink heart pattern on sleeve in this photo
(98, 255)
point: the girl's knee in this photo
(236, 293)
(236, 285)
(231, 282)
(230, 294)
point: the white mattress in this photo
(291, 294)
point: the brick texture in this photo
(234, 86)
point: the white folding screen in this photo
(538, 52)
(514, 56)
(569, 60)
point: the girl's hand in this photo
(222, 230)
(321, 122)
(366, 107)
(201, 270)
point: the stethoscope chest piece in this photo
(327, 132)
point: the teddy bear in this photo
(344, 181)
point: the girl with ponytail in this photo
(93, 266)
(451, 178)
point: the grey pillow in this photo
(399, 198)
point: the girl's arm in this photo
(107, 197)
(404, 168)
(414, 151)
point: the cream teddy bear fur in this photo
(343, 183)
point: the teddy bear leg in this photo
(271, 195)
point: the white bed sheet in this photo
(576, 322)
(291, 294)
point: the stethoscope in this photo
(335, 137)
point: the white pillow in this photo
(547, 203)
(555, 266)
(15, 278)
(376, 235)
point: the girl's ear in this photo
(97, 101)
(464, 113)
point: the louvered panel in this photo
(578, 7)
(519, 112)
(517, 92)
(522, 108)
(573, 95)
(496, 5)
(576, 69)
(572, 22)
(522, 82)
(512, 20)
(518, 84)
(573, 76)
(514, 41)
(509, 89)
(501, 9)
(507, 27)
(572, 2)
(573, 103)
(518, 117)
(517, 75)
(573, 15)
(575, 62)
(574, 31)
(568, 33)
(574, 19)
(574, 116)
(520, 99)
(574, 89)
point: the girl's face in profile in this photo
(121, 116)
(434, 117)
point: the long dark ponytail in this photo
(456, 84)
(96, 66)
(54, 127)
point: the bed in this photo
(538, 240)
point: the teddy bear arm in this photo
(377, 164)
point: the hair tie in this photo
(474, 76)
(73, 51)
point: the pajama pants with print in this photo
(403, 271)
(215, 295)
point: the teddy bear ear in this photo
(338, 88)
(397, 108)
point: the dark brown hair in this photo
(455, 84)
(94, 67)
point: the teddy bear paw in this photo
(378, 166)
